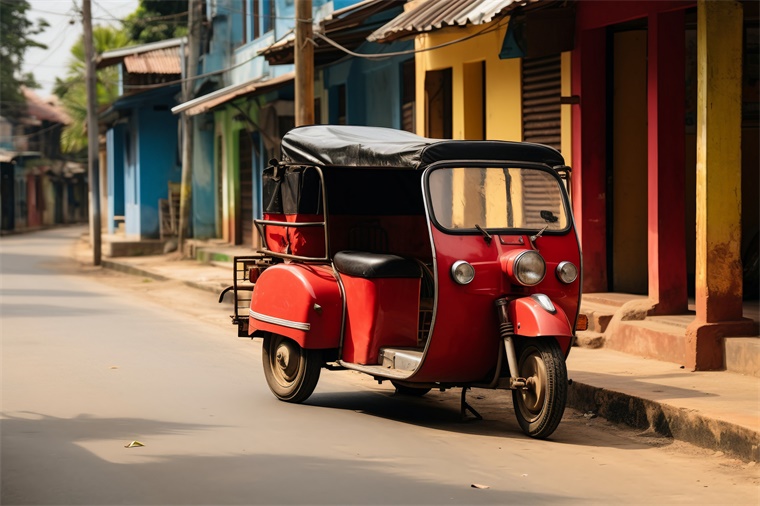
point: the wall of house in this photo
(373, 88)
(115, 167)
(502, 78)
(159, 162)
(204, 190)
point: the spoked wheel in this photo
(291, 371)
(540, 406)
(402, 389)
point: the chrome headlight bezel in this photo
(529, 268)
(462, 272)
(566, 272)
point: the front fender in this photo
(530, 319)
(302, 302)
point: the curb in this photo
(129, 269)
(212, 287)
(677, 423)
(616, 407)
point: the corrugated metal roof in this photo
(117, 55)
(219, 97)
(160, 61)
(431, 15)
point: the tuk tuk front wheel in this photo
(291, 372)
(540, 406)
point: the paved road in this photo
(92, 360)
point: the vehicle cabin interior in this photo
(377, 240)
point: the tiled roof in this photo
(160, 61)
(42, 109)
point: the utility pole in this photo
(191, 66)
(93, 167)
(304, 63)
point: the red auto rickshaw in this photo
(428, 263)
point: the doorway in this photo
(627, 167)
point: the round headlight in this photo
(529, 268)
(462, 272)
(567, 272)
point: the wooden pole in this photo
(304, 64)
(191, 66)
(93, 169)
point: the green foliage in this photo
(73, 88)
(156, 20)
(16, 36)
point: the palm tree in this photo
(73, 91)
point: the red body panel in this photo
(299, 295)
(380, 312)
(464, 343)
(531, 320)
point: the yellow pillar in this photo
(718, 255)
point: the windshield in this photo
(497, 198)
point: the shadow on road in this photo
(441, 411)
(44, 462)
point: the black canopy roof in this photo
(361, 146)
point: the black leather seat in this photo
(375, 265)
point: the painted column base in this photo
(705, 341)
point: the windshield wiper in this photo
(486, 236)
(538, 234)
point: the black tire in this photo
(410, 391)
(291, 372)
(539, 408)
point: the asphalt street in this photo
(93, 360)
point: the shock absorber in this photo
(507, 333)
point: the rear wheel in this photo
(291, 372)
(410, 391)
(540, 406)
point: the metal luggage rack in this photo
(242, 288)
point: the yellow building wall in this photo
(502, 80)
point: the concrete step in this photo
(589, 339)
(743, 355)
(650, 339)
(599, 315)
(610, 298)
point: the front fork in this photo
(507, 334)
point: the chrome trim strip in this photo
(279, 321)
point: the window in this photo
(268, 16)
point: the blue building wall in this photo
(373, 88)
(204, 200)
(143, 156)
(160, 162)
(115, 170)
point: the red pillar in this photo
(589, 155)
(666, 165)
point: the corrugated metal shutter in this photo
(539, 194)
(541, 91)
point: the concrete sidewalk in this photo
(714, 410)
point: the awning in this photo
(432, 15)
(207, 102)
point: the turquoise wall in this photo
(373, 88)
(115, 151)
(160, 162)
(205, 204)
